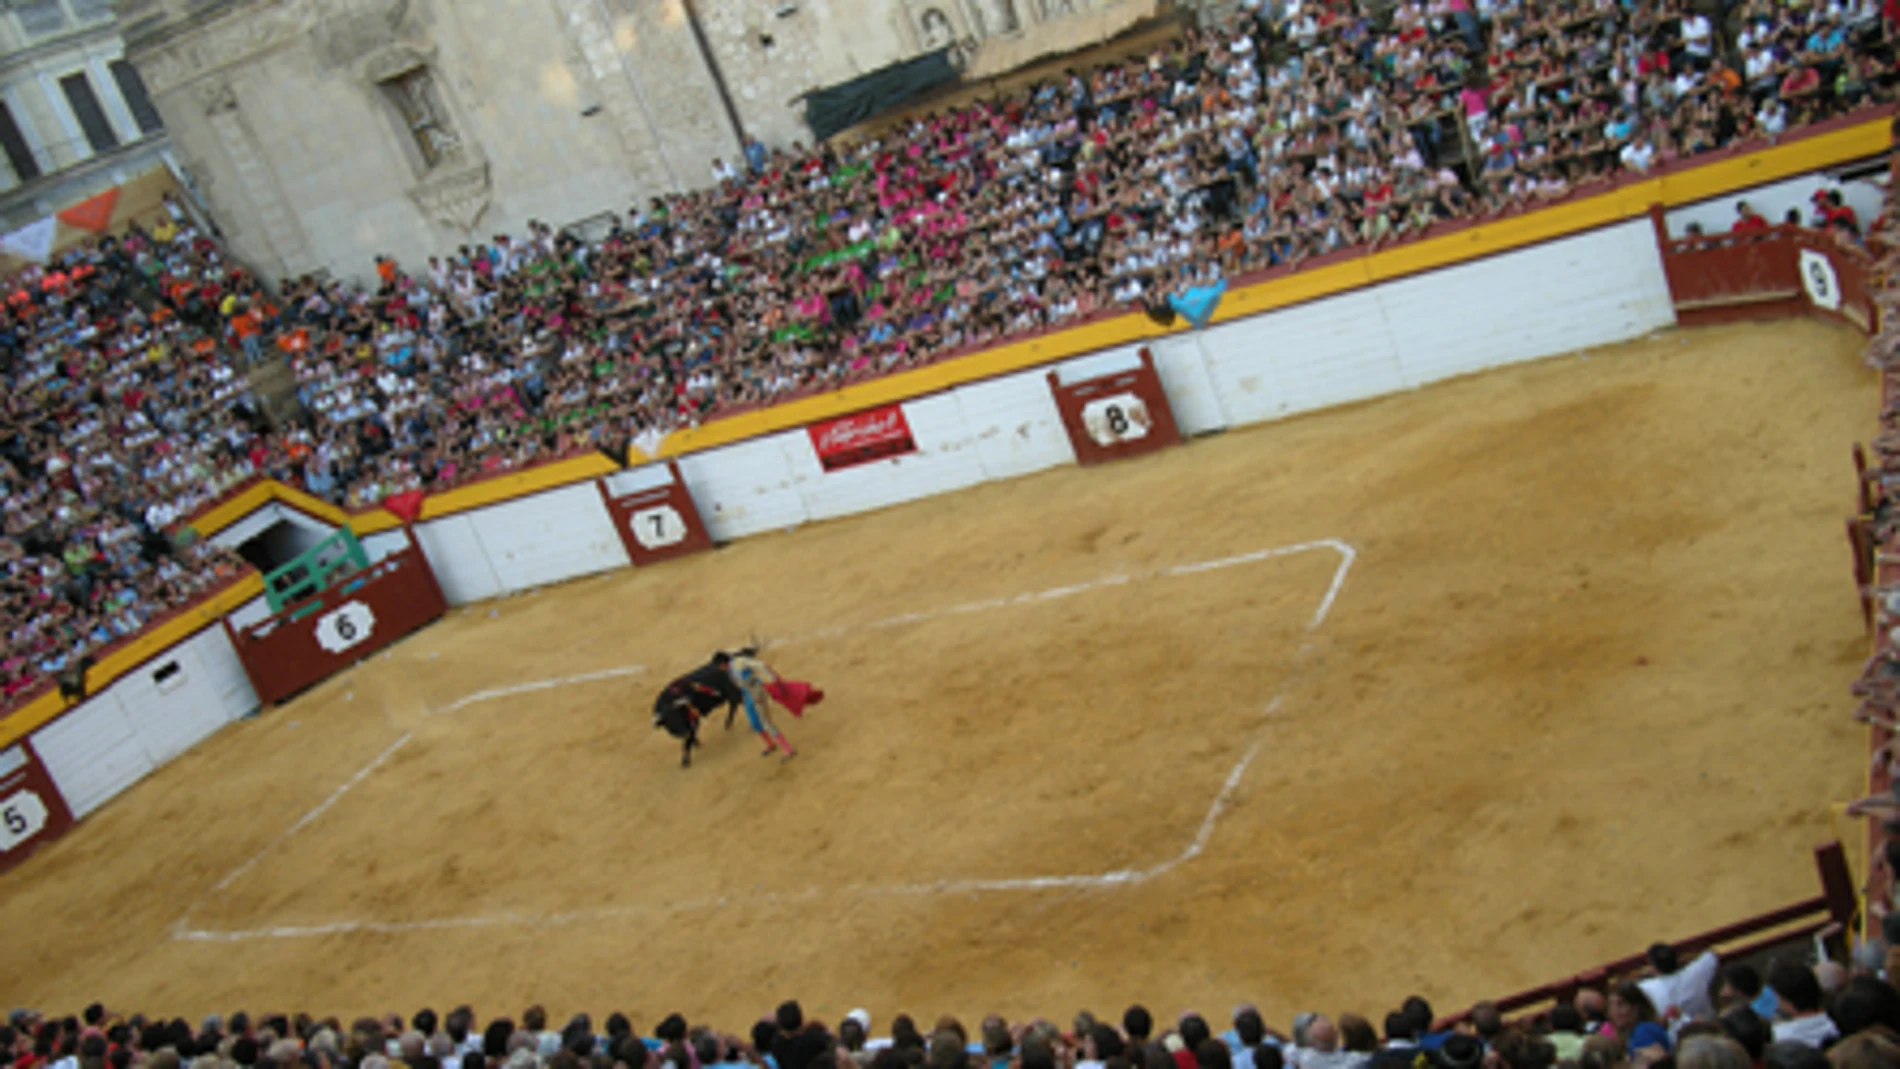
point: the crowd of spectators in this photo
(1293, 132)
(120, 417)
(1698, 1016)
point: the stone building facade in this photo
(772, 52)
(75, 118)
(323, 133)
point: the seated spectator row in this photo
(1696, 1016)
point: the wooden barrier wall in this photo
(335, 628)
(1876, 569)
(1773, 273)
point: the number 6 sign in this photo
(345, 626)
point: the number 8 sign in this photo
(1118, 418)
(345, 626)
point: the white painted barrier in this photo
(145, 719)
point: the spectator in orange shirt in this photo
(1724, 77)
(245, 325)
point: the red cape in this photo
(794, 696)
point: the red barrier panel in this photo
(32, 811)
(657, 523)
(1115, 416)
(1768, 274)
(1733, 276)
(335, 628)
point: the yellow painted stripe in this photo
(1776, 162)
(242, 504)
(314, 506)
(517, 484)
(49, 706)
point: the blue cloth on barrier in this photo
(1197, 303)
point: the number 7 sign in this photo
(653, 514)
(657, 526)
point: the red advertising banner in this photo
(862, 437)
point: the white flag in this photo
(648, 441)
(32, 242)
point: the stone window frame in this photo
(380, 73)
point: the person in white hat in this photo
(854, 1035)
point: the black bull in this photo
(679, 713)
(680, 706)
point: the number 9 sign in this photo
(1818, 278)
(345, 626)
(657, 527)
(1115, 419)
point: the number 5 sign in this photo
(22, 815)
(345, 626)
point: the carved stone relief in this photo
(214, 96)
(937, 24)
(244, 33)
(455, 195)
(993, 18)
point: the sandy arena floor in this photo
(1581, 687)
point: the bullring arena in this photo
(1454, 691)
(1272, 526)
